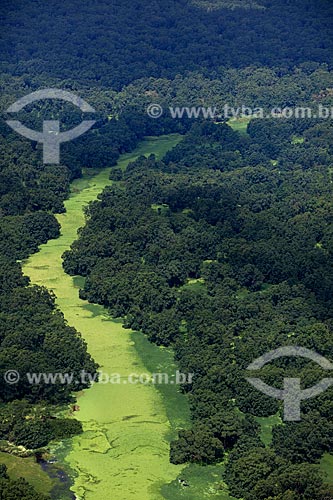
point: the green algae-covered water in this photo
(123, 453)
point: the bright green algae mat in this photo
(123, 453)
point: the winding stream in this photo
(123, 453)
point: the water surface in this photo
(123, 453)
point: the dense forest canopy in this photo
(222, 250)
(225, 254)
(109, 44)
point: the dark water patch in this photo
(62, 480)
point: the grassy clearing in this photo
(297, 140)
(30, 470)
(195, 284)
(162, 209)
(198, 482)
(240, 124)
(267, 424)
(326, 466)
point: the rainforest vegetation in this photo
(225, 254)
(222, 250)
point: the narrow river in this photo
(123, 453)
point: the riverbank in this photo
(124, 450)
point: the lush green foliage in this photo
(111, 44)
(257, 474)
(33, 426)
(223, 250)
(12, 490)
(192, 251)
